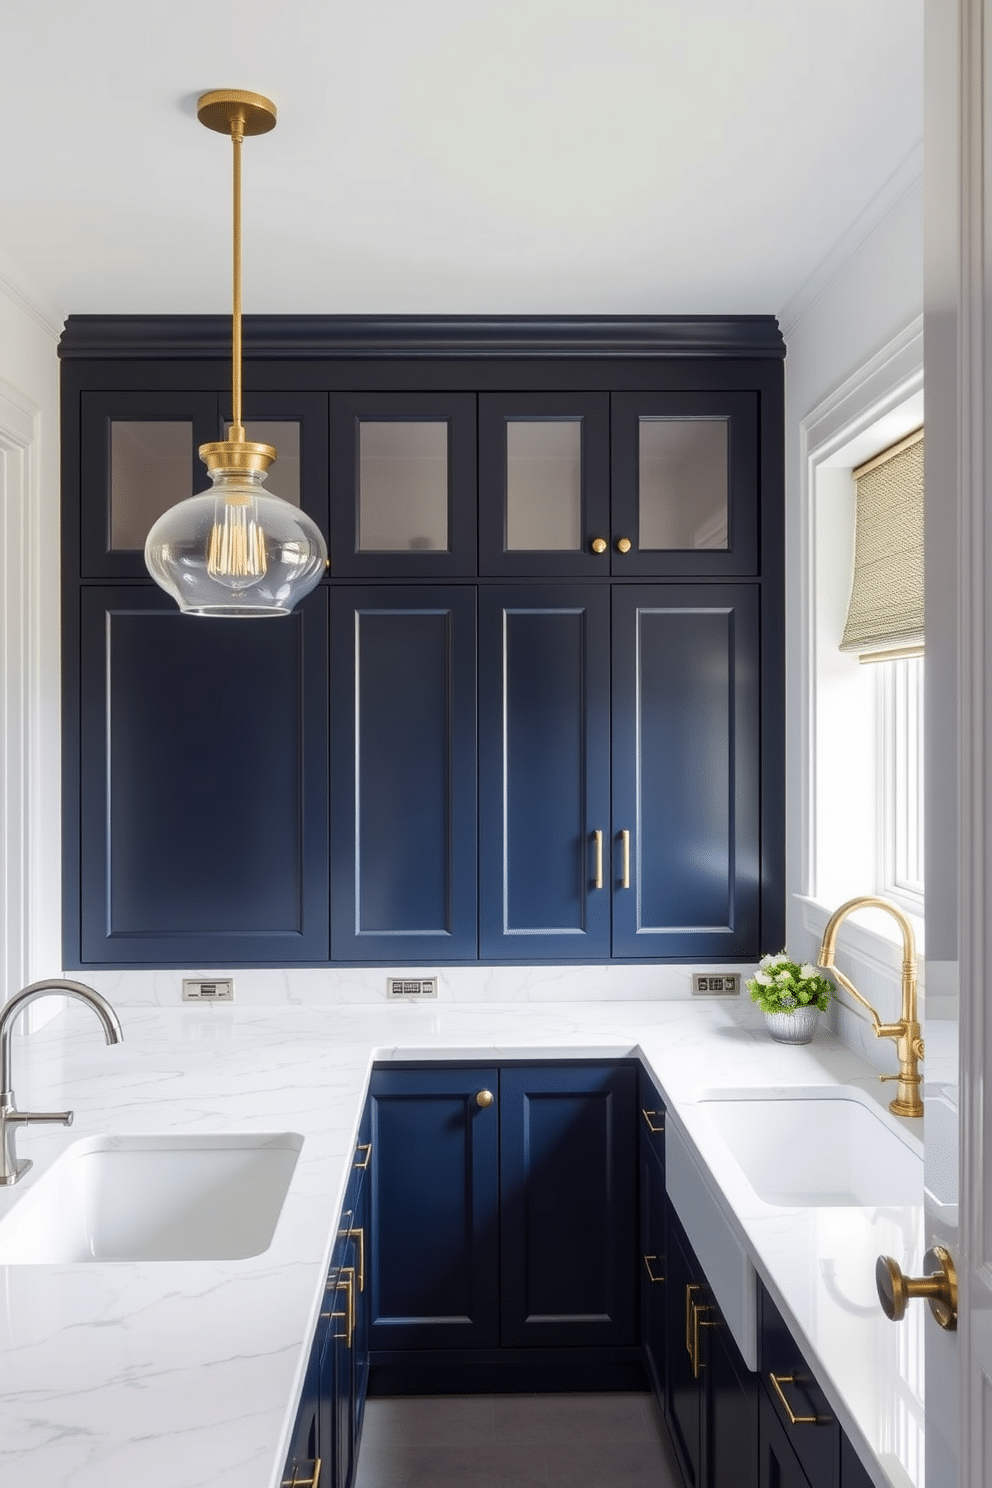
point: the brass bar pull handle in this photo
(597, 879)
(346, 1283)
(358, 1235)
(697, 1310)
(294, 1481)
(778, 1380)
(647, 1262)
(693, 1287)
(365, 1147)
(647, 1117)
(625, 859)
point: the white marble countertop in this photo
(184, 1374)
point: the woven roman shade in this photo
(885, 615)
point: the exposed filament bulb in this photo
(236, 546)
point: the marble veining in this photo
(181, 1374)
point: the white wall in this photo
(30, 869)
(866, 299)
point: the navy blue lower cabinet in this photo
(711, 1397)
(806, 1424)
(654, 1263)
(568, 1176)
(544, 763)
(202, 787)
(434, 1279)
(685, 852)
(403, 803)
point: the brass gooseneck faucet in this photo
(908, 1040)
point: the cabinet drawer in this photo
(651, 1118)
(796, 1400)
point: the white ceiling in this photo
(449, 156)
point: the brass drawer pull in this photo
(365, 1147)
(296, 1482)
(647, 1117)
(789, 1379)
(597, 880)
(692, 1287)
(358, 1235)
(700, 1322)
(344, 1281)
(647, 1262)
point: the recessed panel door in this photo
(435, 1209)
(404, 778)
(544, 773)
(685, 854)
(202, 813)
(568, 1172)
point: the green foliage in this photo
(780, 985)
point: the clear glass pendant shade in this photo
(235, 551)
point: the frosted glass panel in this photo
(402, 486)
(683, 483)
(283, 478)
(544, 484)
(150, 468)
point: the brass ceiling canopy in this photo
(221, 109)
(236, 551)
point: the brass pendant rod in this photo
(237, 139)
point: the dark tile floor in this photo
(515, 1441)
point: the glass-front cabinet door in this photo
(544, 473)
(403, 484)
(138, 457)
(684, 484)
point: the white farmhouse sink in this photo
(153, 1198)
(817, 1152)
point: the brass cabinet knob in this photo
(939, 1286)
(623, 545)
(599, 545)
(484, 1098)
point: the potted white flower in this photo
(791, 996)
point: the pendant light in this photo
(235, 550)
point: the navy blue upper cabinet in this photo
(544, 800)
(685, 854)
(137, 455)
(403, 485)
(685, 483)
(544, 484)
(403, 799)
(202, 786)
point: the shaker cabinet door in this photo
(202, 787)
(544, 773)
(685, 852)
(403, 800)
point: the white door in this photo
(958, 378)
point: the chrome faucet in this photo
(11, 1167)
(906, 1033)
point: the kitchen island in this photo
(182, 1374)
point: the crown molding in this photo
(28, 300)
(903, 179)
(323, 337)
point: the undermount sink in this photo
(154, 1198)
(817, 1152)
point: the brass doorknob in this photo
(484, 1098)
(623, 544)
(939, 1286)
(599, 545)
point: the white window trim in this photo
(900, 735)
(877, 394)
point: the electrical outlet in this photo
(411, 989)
(197, 990)
(721, 984)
